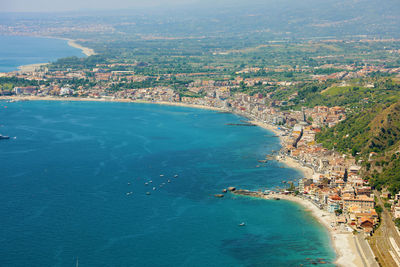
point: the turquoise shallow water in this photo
(16, 51)
(64, 181)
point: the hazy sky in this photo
(68, 5)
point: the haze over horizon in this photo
(77, 5)
(99, 5)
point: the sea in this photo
(16, 51)
(127, 184)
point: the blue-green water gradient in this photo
(65, 178)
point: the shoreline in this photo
(72, 43)
(31, 67)
(117, 100)
(341, 242)
(85, 50)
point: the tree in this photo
(378, 209)
(397, 222)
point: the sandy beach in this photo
(31, 67)
(288, 161)
(87, 51)
(121, 100)
(180, 105)
(269, 127)
(342, 241)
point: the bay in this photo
(16, 51)
(65, 178)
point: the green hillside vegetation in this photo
(355, 96)
(375, 129)
(8, 83)
(389, 176)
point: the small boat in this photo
(154, 188)
(161, 175)
(169, 181)
(277, 198)
(150, 181)
(148, 193)
(242, 224)
(146, 183)
(4, 137)
(176, 175)
(129, 183)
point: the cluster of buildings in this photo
(351, 72)
(344, 194)
(335, 184)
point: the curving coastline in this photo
(31, 67)
(72, 43)
(121, 100)
(85, 50)
(342, 241)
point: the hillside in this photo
(373, 136)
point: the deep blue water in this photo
(65, 177)
(16, 51)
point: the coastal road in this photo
(365, 251)
(386, 241)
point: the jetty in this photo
(245, 192)
(261, 194)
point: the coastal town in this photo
(344, 200)
(221, 133)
